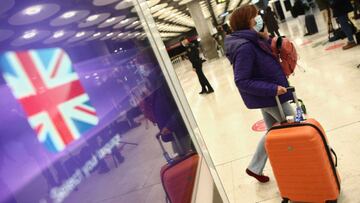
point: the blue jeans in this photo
(271, 116)
(346, 27)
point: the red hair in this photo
(240, 18)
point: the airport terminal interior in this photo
(326, 81)
(100, 102)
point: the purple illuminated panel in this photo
(94, 139)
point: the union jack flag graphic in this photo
(45, 84)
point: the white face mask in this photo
(259, 23)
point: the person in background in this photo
(298, 11)
(341, 8)
(258, 76)
(271, 22)
(193, 54)
(356, 9)
(165, 113)
(323, 7)
(221, 36)
(219, 47)
(226, 29)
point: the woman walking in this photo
(258, 76)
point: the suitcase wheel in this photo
(331, 201)
(285, 200)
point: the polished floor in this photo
(330, 87)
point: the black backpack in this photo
(339, 34)
(336, 35)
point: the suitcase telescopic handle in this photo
(296, 100)
(165, 153)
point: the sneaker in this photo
(349, 45)
(260, 178)
(210, 91)
(203, 92)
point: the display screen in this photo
(82, 100)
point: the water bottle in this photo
(299, 115)
(168, 158)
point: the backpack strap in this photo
(279, 42)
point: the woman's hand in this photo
(165, 131)
(264, 35)
(281, 90)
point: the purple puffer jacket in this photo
(257, 72)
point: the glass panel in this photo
(180, 98)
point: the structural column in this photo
(207, 42)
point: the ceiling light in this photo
(80, 34)
(68, 14)
(92, 18)
(110, 20)
(137, 34)
(120, 34)
(136, 22)
(33, 10)
(124, 21)
(58, 34)
(30, 34)
(109, 34)
(97, 34)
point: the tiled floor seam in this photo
(342, 126)
(224, 163)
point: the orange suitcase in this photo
(179, 174)
(302, 161)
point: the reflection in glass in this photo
(94, 138)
